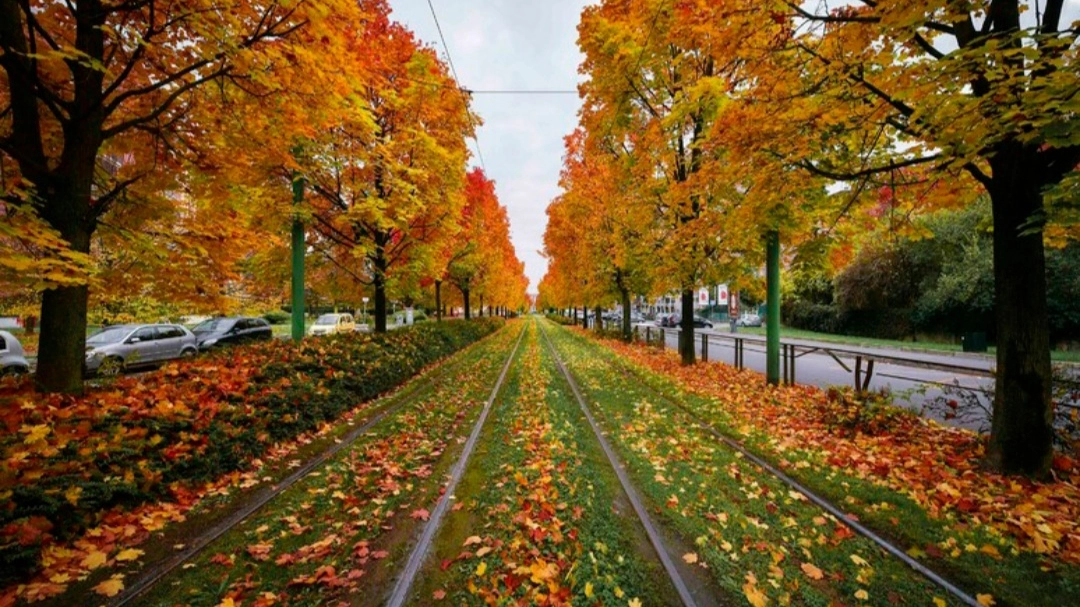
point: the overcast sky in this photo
(530, 45)
(512, 45)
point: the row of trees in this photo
(709, 125)
(148, 149)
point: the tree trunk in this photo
(599, 326)
(480, 308)
(686, 336)
(62, 345)
(438, 301)
(627, 334)
(584, 316)
(379, 282)
(575, 316)
(1021, 435)
(465, 302)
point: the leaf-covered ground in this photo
(1011, 540)
(757, 537)
(540, 518)
(339, 535)
(84, 481)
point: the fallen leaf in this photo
(481, 569)
(986, 600)
(129, 555)
(439, 594)
(94, 559)
(862, 595)
(472, 539)
(811, 571)
(421, 514)
(110, 587)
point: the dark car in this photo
(218, 332)
(699, 322)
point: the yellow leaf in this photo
(94, 559)
(635, 602)
(588, 590)
(129, 555)
(72, 494)
(483, 551)
(110, 587)
(754, 594)
(35, 433)
(619, 592)
(811, 571)
(986, 600)
(690, 558)
(858, 560)
(481, 569)
(472, 539)
(227, 602)
(862, 595)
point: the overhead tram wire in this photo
(461, 91)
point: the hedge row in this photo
(68, 460)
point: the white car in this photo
(329, 324)
(12, 357)
(748, 320)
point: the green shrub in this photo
(277, 317)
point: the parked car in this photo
(670, 321)
(329, 324)
(12, 356)
(702, 323)
(218, 332)
(113, 349)
(748, 320)
(662, 319)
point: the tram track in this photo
(663, 552)
(935, 578)
(140, 586)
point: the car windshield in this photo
(214, 325)
(108, 335)
(327, 319)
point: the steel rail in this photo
(819, 501)
(404, 583)
(628, 487)
(155, 573)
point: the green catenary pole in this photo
(299, 248)
(772, 307)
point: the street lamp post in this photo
(365, 299)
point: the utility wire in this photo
(469, 91)
(464, 99)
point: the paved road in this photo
(913, 384)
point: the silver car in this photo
(12, 357)
(113, 349)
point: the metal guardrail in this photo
(863, 359)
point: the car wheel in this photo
(188, 353)
(110, 367)
(13, 371)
